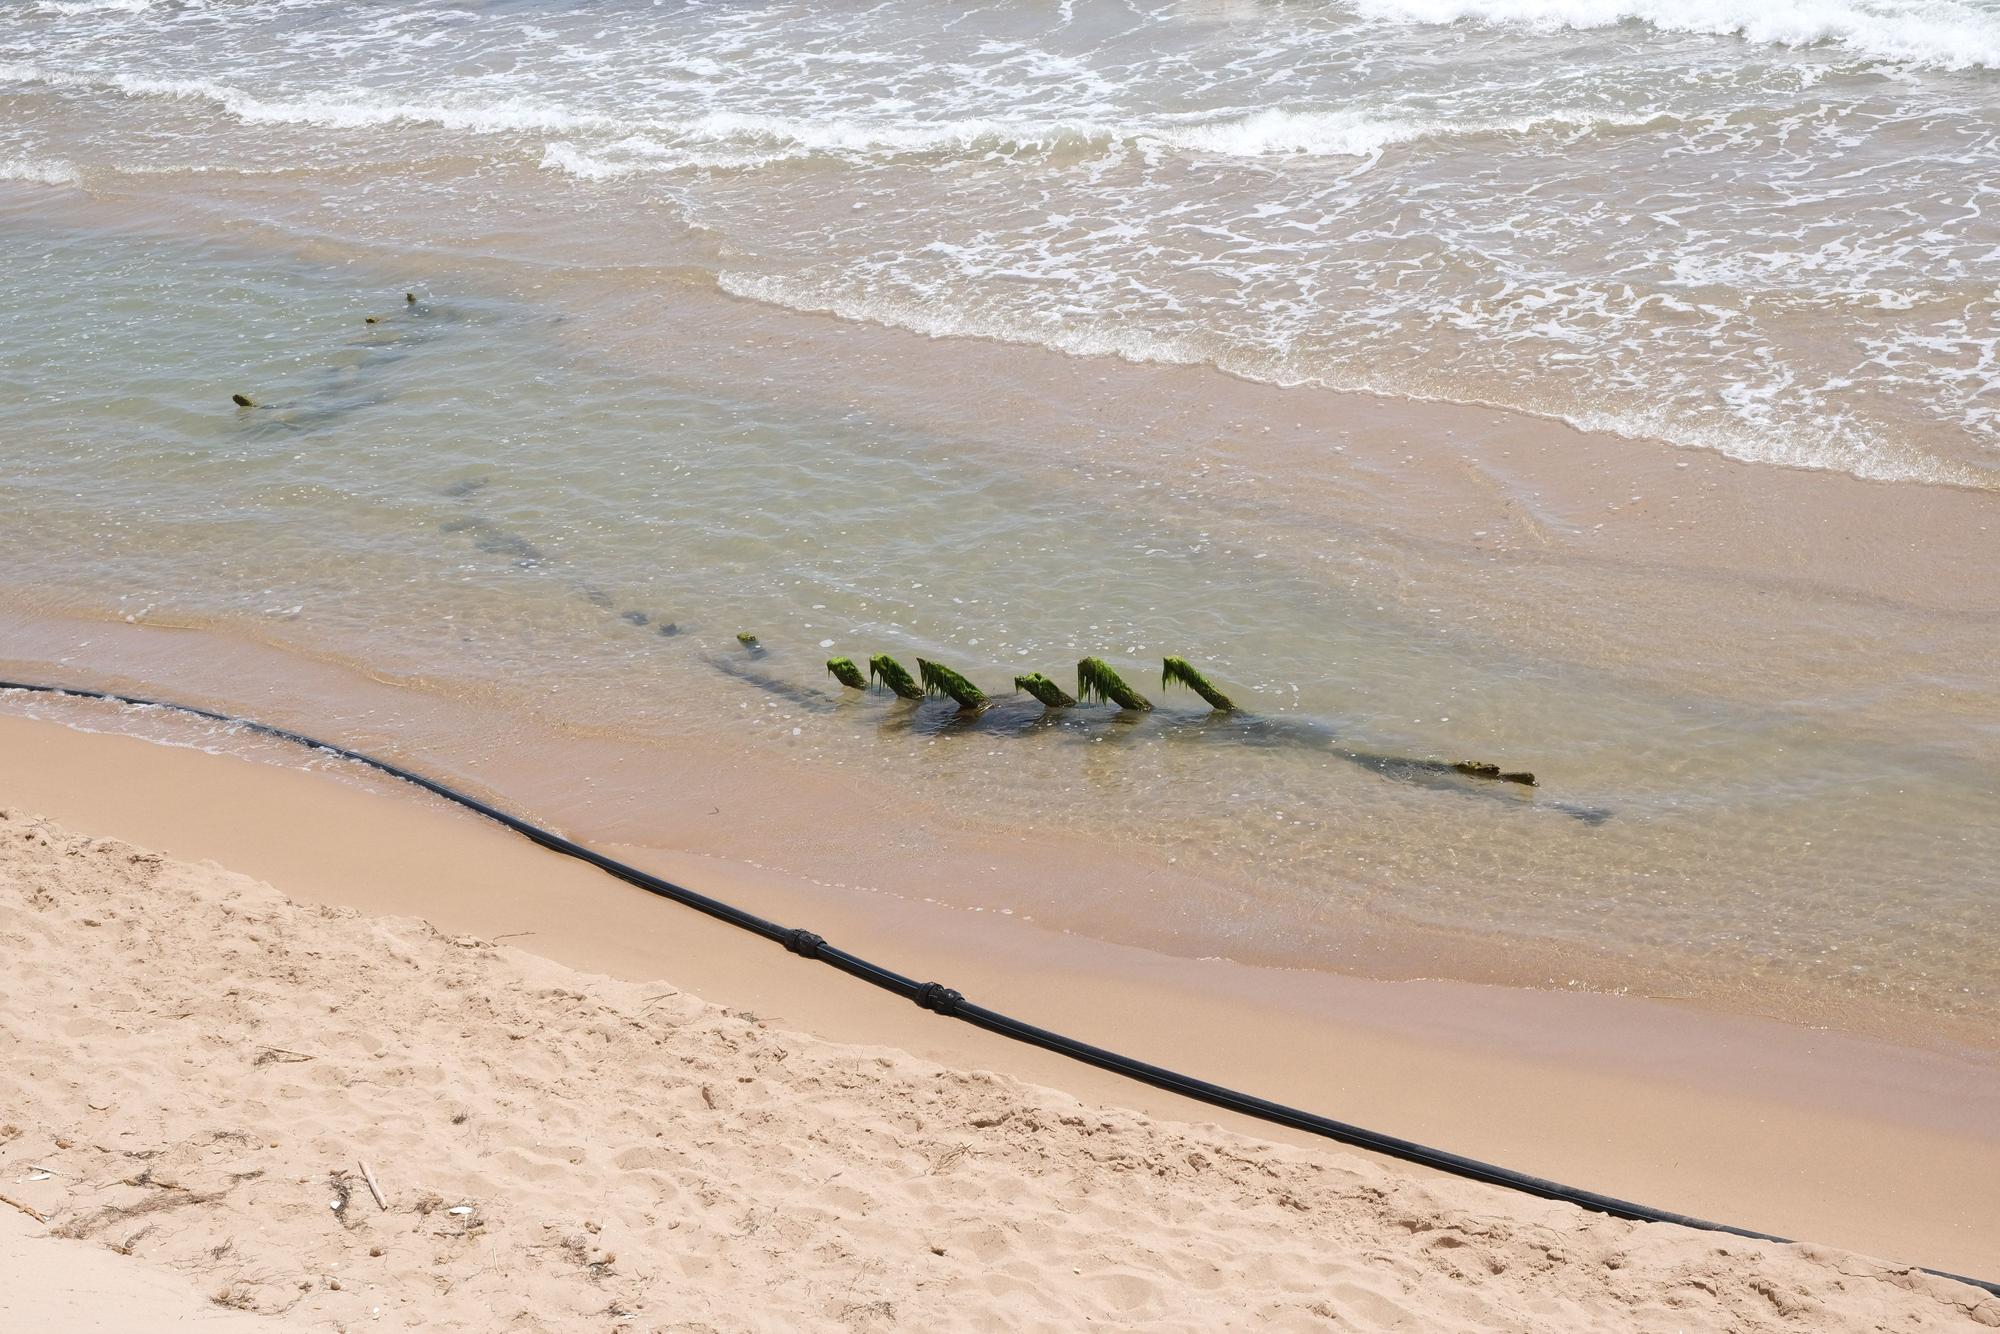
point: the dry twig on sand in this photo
(373, 1189)
(31, 1212)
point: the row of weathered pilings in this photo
(1096, 682)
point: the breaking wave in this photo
(1935, 34)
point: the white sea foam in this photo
(40, 171)
(1833, 447)
(1279, 133)
(1292, 197)
(738, 139)
(1940, 34)
(357, 110)
(70, 7)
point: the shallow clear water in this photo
(1771, 240)
(456, 493)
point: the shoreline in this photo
(359, 1119)
(878, 845)
(1849, 1142)
(1772, 602)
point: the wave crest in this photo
(1936, 34)
(745, 139)
(38, 171)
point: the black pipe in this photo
(943, 1000)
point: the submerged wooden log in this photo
(1048, 692)
(1179, 671)
(1096, 681)
(844, 671)
(1478, 769)
(892, 674)
(942, 680)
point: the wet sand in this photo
(1849, 1142)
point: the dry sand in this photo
(194, 1068)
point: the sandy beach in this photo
(201, 1064)
(1512, 484)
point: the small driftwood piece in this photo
(285, 1055)
(373, 1189)
(29, 1210)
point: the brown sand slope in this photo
(201, 1065)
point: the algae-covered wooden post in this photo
(1478, 769)
(892, 674)
(844, 671)
(747, 640)
(242, 400)
(1048, 692)
(1096, 680)
(1179, 671)
(942, 680)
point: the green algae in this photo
(1048, 692)
(1096, 681)
(1179, 671)
(844, 671)
(893, 675)
(942, 680)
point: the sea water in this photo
(1771, 237)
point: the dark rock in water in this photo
(241, 400)
(815, 701)
(497, 541)
(670, 629)
(635, 617)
